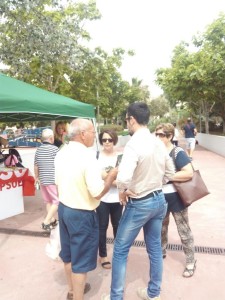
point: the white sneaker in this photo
(143, 294)
(105, 297)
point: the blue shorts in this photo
(79, 236)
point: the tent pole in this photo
(96, 137)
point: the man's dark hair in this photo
(140, 111)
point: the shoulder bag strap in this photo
(173, 152)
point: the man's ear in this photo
(82, 135)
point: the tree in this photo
(213, 43)
(197, 78)
(159, 107)
(99, 82)
(138, 92)
(49, 36)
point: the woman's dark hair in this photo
(112, 134)
(140, 111)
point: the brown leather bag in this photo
(191, 190)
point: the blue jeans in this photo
(148, 214)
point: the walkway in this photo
(27, 273)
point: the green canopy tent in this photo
(20, 101)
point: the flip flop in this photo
(189, 272)
(106, 265)
(47, 227)
(86, 289)
(54, 223)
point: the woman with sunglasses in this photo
(175, 206)
(110, 205)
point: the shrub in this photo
(115, 127)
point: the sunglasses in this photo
(160, 134)
(105, 140)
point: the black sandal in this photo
(47, 227)
(54, 224)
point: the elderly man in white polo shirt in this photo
(80, 187)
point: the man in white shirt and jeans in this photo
(144, 164)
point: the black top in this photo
(58, 143)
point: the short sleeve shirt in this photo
(174, 202)
(189, 130)
(78, 176)
(44, 159)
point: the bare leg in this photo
(68, 271)
(191, 152)
(78, 280)
(51, 212)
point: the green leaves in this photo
(197, 77)
(42, 40)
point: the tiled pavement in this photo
(27, 273)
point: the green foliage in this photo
(197, 78)
(155, 122)
(123, 133)
(159, 107)
(43, 40)
(41, 29)
(115, 127)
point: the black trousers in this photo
(106, 210)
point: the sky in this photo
(152, 29)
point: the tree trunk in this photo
(223, 125)
(205, 111)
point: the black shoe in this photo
(54, 224)
(164, 256)
(47, 227)
(87, 288)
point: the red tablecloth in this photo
(11, 178)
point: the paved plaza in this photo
(26, 272)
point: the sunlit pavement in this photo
(26, 272)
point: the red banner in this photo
(13, 178)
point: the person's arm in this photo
(126, 168)
(184, 167)
(169, 169)
(108, 181)
(105, 174)
(195, 131)
(36, 173)
(183, 130)
(186, 173)
(123, 196)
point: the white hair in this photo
(78, 125)
(46, 134)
